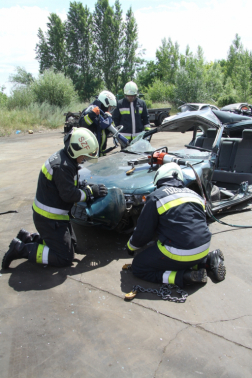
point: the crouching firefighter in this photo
(58, 189)
(175, 215)
(98, 119)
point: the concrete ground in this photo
(74, 322)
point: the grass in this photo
(38, 116)
(34, 117)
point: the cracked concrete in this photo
(74, 322)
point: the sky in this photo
(211, 24)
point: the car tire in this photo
(161, 117)
(215, 194)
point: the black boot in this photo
(24, 236)
(17, 250)
(216, 265)
(194, 276)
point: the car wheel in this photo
(161, 117)
(215, 194)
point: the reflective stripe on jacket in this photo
(57, 188)
(177, 215)
(93, 121)
(133, 116)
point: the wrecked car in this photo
(191, 106)
(242, 108)
(214, 165)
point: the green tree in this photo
(243, 76)
(168, 60)
(190, 82)
(21, 77)
(130, 58)
(108, 37)
(81, 51)
(147, 75)
(229, 95)
(50, 51)
(42, 52)
(214, 80)
(233, 53)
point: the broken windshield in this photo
(139, 145)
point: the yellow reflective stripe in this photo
(125, 111)
(147, 128)
(75, 180)
(103, 135)
(39, 254)
(167, 206)
(172, 276)
(173, 256)
(44, 243)
(46, 173)
(49, 215)
(131, 247)
(88, 119)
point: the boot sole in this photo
(220, 254)
(220, 272)
(199, 276)
(6, 264)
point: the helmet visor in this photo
(93, 154)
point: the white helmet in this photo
(130, 89)
(83, 142)
(107, 99)
(168, 170)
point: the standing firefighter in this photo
(97, 118)
(131, 113)
(58, 189)
(176, 215)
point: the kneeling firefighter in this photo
(98, 119)
(58, 189)
(176, 215)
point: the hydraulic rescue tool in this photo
(160, 157)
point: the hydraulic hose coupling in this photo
(119, 137)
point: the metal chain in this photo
(165, 292)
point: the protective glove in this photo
(99, 190)
(107, 114)
(130, 252)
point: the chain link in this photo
(165, 292)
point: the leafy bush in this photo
(227, 99)
(21, 97)
(160, 91)
(53, 88)
(147, 100)
(3, 99)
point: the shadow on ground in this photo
(99, 247)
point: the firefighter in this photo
(131, 113)
(97, 118)
(175, 214)
(57, 190)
